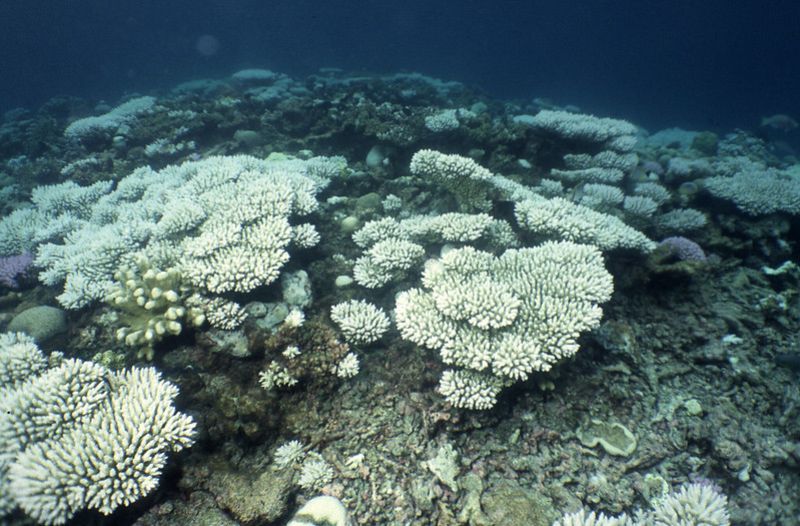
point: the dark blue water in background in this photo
(712, 64)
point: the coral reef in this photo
(495, 229)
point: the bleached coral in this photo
(594, 174)
(69, 197)
(680, 168)
(605, 159)
(151, 303)
(513, 191)
(361, 322)
(305, 236)
(614, 134)
(692, 505)
(294, 319)
(275, 376)
(378, 230)
(19, 231)
(125, 113)
(551, 188)
(220, 312)
(225, 223)
(462, 176)
(394, 247)
(444, 120)
(392, 204)
(242, 243)
(599, 196)
(168, 147)
(587, 518)
(556, 217)
(21, 359)
(348, 366)
(78, 436)
(470, 389)
(255, 75)
(86, 163)
(315, 473)
(562, 219)
(289, 453)
(88, 258)
(385, 261)
(503, 317)
(459, 228)
(606, 167)
(759, 192)
(292, 351)
(639, 206)
(654, 191)
(680, 221)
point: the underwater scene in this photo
(403, 264)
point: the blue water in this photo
(715, 64)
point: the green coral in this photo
(151, 305)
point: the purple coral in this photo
(12, 267)
(653, 167)
(682, 248)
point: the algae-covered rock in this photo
(471, 512)
(233, 343)
(368, 203)
(510, 503)
(445, 466)
(693, 407)
(249, 500)
(654, 487)
(706, 142)
(200, 508)
(42, 323)
(615, 438)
